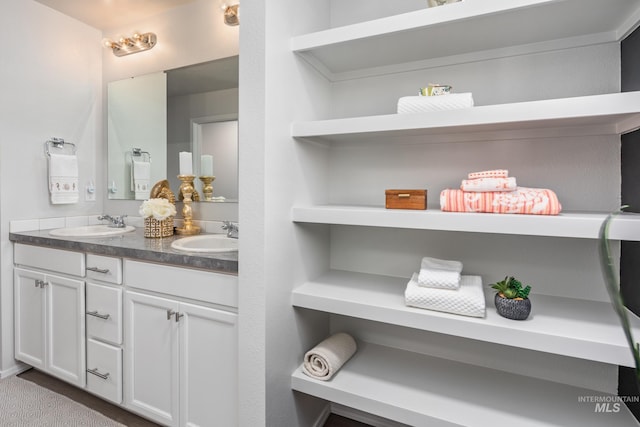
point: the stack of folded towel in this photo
(494, 191)
(440, 286)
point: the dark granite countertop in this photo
(133, 245)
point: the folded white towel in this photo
(467, 301)
(439, 279)
(429, 263)
(140, 179)
(63, 178)
(424, 104)
(325, 359)
(439, 273)
(483, 185)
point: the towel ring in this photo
(58, 144)
(137, 152)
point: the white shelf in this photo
(625, 226)
(449, 34)
(613, 114)
(569, 327)
(420, 390)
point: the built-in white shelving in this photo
(607, 114)
(574, 225)
(443, 35)
(421, 390)
(577, 328)
(418, 389)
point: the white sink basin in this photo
(207, 243)
(91, 231)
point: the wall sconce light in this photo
(128, 45)
(231, 14)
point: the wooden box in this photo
(406, 199)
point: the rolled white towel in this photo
(469, 300)
(326, 358)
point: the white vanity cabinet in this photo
(49, 311)
(180, 355)
(104, 327)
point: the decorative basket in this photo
(158, 228)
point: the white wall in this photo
(51, 86)
(187, 35)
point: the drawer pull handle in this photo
(98, 374)
(170, 313)
(39, 283)
(96, 314)
(404, 195)
(178, 316)
(98, 270)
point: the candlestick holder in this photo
(186, 193)
(207, 188)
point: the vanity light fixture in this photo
(231, 14)
(134, 44)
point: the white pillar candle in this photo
(206, 165)
(186, 163)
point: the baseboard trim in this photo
(14, 370)
(322, 418)
(363, 417)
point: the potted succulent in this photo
(512, 300)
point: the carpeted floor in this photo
(23, 403)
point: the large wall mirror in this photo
(154, 117)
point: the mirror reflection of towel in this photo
(63, 178)
(140, 179)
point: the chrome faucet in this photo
(232, 229)
(116, 221)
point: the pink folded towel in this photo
(495, 173)
(489, 184)
(536, 201)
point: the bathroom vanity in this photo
(133, 321)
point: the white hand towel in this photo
(63, 178)
(439, 273)
(467, 301)
(325, 359)
(439, 279)
(141, 177)
(429, 263)
(425, 104)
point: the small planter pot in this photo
(515, 309)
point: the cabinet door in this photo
(208, 366)
(66, 329)
(29, 297)
(151, 357)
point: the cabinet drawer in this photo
(57, 260)
(105, 268)
(104, 370)
(196, 284)
(104, 312)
